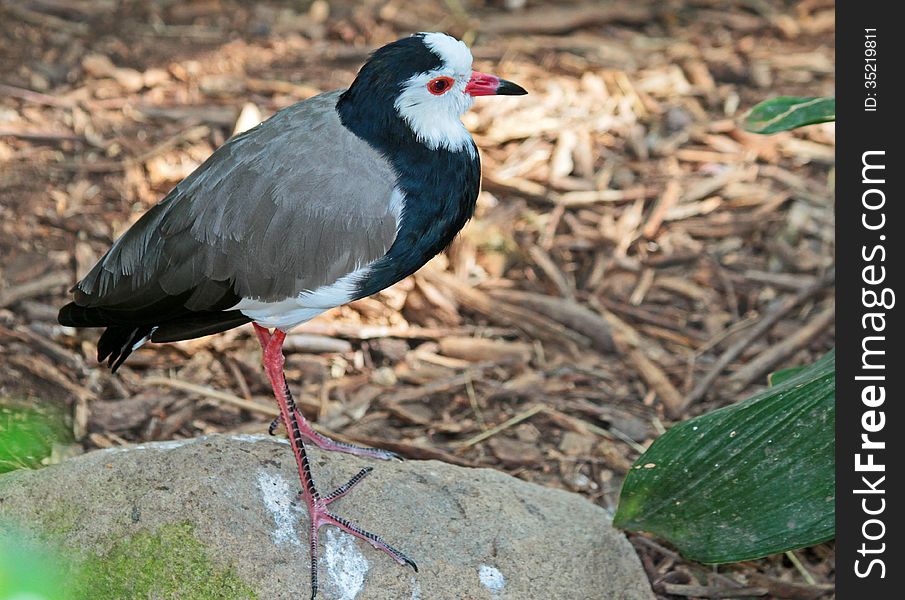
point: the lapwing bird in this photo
(330, 200)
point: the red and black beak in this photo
(484, 84)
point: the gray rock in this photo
(475, 533)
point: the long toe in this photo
(373, 539)
(325, 443)
(347, 487)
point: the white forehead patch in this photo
(454, 53)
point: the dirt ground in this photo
(629, 240)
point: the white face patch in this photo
(436, 119)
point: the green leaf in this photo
(789, 112)
(777, 377)
(27, 437)
(30, 569)
(744, 481)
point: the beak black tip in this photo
(507, 88)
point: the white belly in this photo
(292, 312)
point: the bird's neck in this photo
(440, 188)
(370, 115)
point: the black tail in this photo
(117, 343)
(124, 334)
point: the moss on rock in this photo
(167, 563)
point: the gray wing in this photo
(289, 206)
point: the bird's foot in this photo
(320, 515)
(299, 430)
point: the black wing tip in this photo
(117, 343)
(69, 315)
(125, 332)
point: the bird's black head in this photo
(390, 66)
(418, 87)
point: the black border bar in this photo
(870, 262)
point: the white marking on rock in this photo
(173, 444)
(492, 579)
(258, 437)
(416, 589)
(168, 445)
(278, 497)
(346, 565)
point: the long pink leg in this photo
(317, 504)
(308, 432)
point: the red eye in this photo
(439, 85)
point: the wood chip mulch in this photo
(637, 258)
